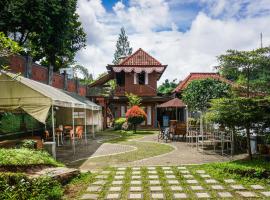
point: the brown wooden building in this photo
(137, 74)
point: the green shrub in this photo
(9, 123)
(29, 144)
(25, 157)
(19, 186)
(118, 123)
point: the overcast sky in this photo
(186, 35)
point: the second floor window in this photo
(141, 78)
(120, 78)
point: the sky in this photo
(186, 35)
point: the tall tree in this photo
(122, 47)
(251, 69)
(167, 86)
(198, 93)
(87, 77)
(48, 30)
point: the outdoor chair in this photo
(59, 134)
(178, 130)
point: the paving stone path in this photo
(168, 183)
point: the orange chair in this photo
(79, 132)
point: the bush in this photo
(19, 186)
(118, 123)
(26, 157)
(29, 144)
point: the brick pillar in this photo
(28, 67)
(65, 80)
(77, 82)
(50, 75)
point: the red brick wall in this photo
(58, 81)
(40, 73)
(71, 86)
(17, 64)
(82, 90)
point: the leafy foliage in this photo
(48, 30)
(7, 48)
(249, 68)
(122, 47)
(135, 116)
(167, 87)
(87, 77)
(241, 113)
(10, 123)
(19, 186)
(133, 100)
(118, 123)
(199, 92)
(25, 157)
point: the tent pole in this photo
(53, 125)
(187, 120)
(85, 124)
(93, 128)
(73, 127)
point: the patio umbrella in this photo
(173, 103)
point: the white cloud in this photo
(194, 50)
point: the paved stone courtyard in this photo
(168, 183)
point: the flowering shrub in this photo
(135, 115)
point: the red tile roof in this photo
(198, 76)
(140, 57)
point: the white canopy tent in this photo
(37, 99)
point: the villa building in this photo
(137, 74)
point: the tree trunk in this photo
(135, 128)
(248, 142)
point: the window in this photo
(120, 78)
(141, 78)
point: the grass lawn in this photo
(215, 170)
(143, 150)
(26, 157)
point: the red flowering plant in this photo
(135, 115)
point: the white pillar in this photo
(93, 127)
(186, 118)
(73, 127)
(53, 129)
(85, 135)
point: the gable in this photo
(140, 57)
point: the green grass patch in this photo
(75, 188)
(256, 168)
(26, 157)
(144, 150)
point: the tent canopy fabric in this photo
(35, 98)
(173, 103)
